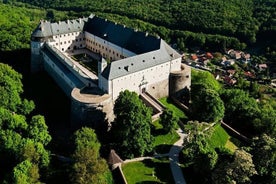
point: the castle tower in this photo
(180, 82)
(38, 38)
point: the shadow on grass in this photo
(163, 148)
(156, 132)
(162, 170)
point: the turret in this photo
(38, 38)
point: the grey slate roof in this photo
(140, 62)
(64, 27)
(47, 29)
(134, 41)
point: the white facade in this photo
(139, 81)
(68, 41)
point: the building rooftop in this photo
(140, 62)
(134, 41)
(47, 29)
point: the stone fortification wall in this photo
(180, 81)
(58, 76)
(159, 89)
(89, 106)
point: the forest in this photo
(211, 24)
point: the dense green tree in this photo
(168, 120)
(35, 152)
(197, 151)
(237, 170)
(131, 134)
(206, 103)
(38, 130)
(266, 121)
(10, 88)
(263, 149)
(205, 78)
(25, 173)
(88, 166)
(240, 109)
(22, 140)
(87, 138)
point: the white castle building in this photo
(125, 59)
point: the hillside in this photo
(235, 18)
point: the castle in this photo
(93, 60)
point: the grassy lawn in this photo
(168, 103)
(148, 171)
(162, 141)
(220, 138)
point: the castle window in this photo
(65, 42)
(76, 39)
(153, 57)
(143, 60)
(102, 47)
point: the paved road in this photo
(174, 161)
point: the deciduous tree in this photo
(26, 173)
(239, 170)
(131, 129)
(88, 166)
(168, 120)
(206, 103)
(240, 109)
(263, 149)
